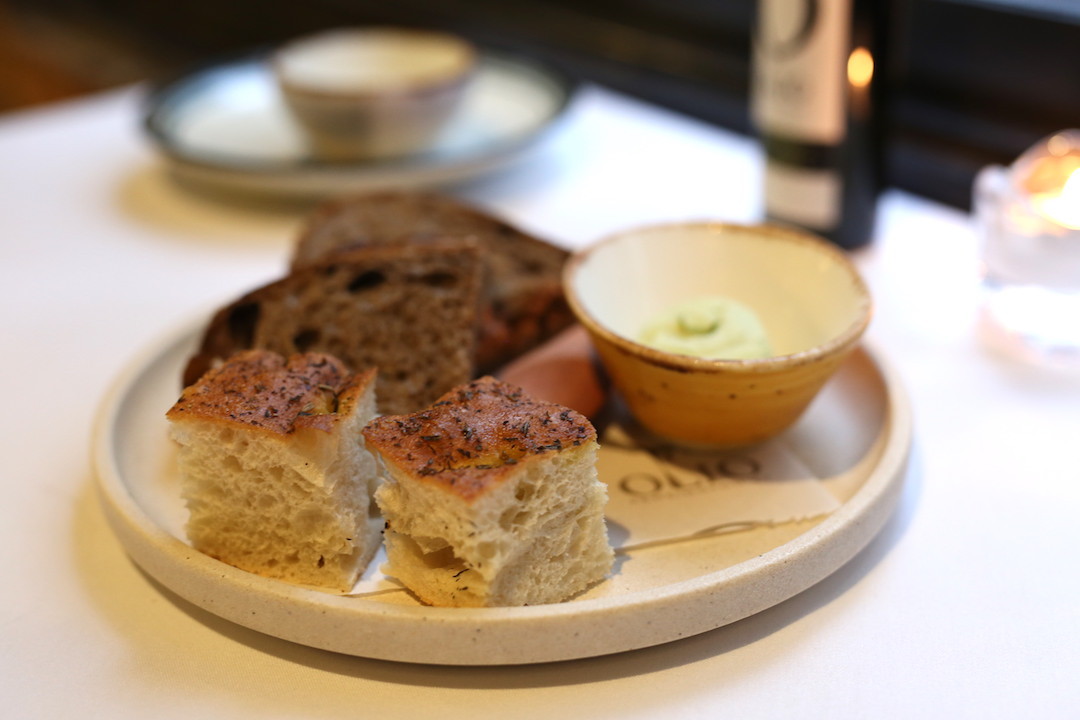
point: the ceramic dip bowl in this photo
(809, 298)
(364, 93)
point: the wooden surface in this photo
(51, 56)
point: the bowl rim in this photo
(457, 74)
(834, 346)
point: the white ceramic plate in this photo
(856, 436)
(226, 128)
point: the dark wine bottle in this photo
(817, 107)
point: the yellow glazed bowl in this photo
(373, 92)
(810, 298)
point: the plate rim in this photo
(161, 96)
(260, 603)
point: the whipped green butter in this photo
(711, 326)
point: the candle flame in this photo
(1064, 207)
(1071, 189)
(1070, 201)
(860, 67)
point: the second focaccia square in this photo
(491, 499)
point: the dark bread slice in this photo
(409, 311)
(523, 303)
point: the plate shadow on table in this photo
(89, 557)
(170, 204)
(152, 197)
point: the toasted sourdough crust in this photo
(409, 311)
(523, 298)
(491, 498)
(274, 469)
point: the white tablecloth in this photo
(966, 605)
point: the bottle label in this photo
(810, 197)
(800, 58)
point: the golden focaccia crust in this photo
(267, 391)
(476, 435)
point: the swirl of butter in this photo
(712, 326)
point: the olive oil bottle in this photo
(816, 102)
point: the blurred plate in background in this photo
(226, 128)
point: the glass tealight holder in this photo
(1029, 223)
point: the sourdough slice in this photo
(491, 499)
(523, 298)
(274, 468)
(409, 311)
